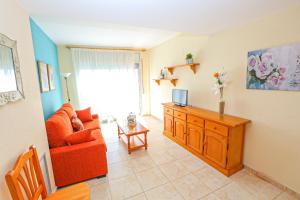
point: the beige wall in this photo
(66, 65)
(272, 140)
(22, 122)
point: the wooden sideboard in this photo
(219, 141)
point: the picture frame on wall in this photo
(276, 68)
(43, 75)
(51, 77)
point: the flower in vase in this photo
(220, 83)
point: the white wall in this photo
(272, 143)
(22, 122)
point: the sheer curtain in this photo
(108, 81)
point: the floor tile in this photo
(286, 196)
(142, 163)
(116, 156)
(173, 170)
(258, 187)
(119, 170)
(190, 187)
(178, 152)
(212, 178)
(151, 178)
(100, 191)
(233, 191)
(95, 181)
(164, 192)
(161, 157)
(210, 197)
(141, 196)
(124, 187)
(192, 164)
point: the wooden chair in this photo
(26, 181)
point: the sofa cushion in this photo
(85, 114)
(68, 108)
(77, 124)
(80, 137)
(94, 124)
(58, 126)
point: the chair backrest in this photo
(26, 181)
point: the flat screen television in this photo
(180, 97)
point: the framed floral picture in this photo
(275, 68)
(51, 77)
(43, 74)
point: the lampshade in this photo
(65, 75)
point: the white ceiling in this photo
(142, 23)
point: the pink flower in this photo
(281, 70)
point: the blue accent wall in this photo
(45, 50)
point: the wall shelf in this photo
(193, 67)
(173, 81)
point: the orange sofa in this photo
(77, 162)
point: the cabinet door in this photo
(195, 136)
(215, 147)
(180, 130)
(168, 125)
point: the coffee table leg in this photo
(128, 143)
(146, 143)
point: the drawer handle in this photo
(178, 115)
(195, 120)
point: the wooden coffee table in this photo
(134, 136)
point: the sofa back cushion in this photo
(68, 108)
(85, 115)
(58, 126)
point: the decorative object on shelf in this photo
(131, 119)
(189, 58)
(219, 85)
(163, 74)
(11, 87)
(51, 77)
(43, 72)
(275, 68)
(66, 76)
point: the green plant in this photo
(189, 56)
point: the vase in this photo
(221, 108)
(189, 61)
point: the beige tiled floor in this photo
(167, 171)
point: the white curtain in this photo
(108, 81)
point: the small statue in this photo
(131, 119)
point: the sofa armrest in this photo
(79, 162)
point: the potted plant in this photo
(219, 89)
(189, 58)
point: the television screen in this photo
(180, 97)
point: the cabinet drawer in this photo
(168, 111)
(179, 115)
(195, 120)
(223, 130)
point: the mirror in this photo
(7, 72)
(11, 88)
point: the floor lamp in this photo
(66, 75)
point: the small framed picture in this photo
(51, 77)
(43, 74)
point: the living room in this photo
(199, 101)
